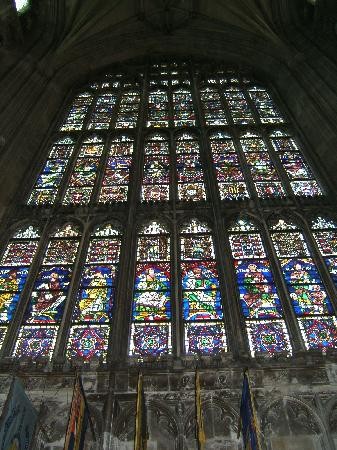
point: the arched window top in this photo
(186, 136)
(109, 229)
(243, 224)
(154, 227)
(92, 139)
(68, 230)
(195, 226)
(279, 133)
(321, 222)
(158, 91)
(181, 90)
(156, 137)
(122, 138)
(281, 224)
(67, 140)
(28, 232)
(208, 90)
(217, 135)
(250, 134)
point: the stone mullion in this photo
(287, 307)
(220, 89)
(101, 169)
(17, 322)
(66, 321)
(321, 266)
(231, 315)
(119, 337)
(257, 120)
(238, 340)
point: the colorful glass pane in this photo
(78, 111)
(117, 171)
(239, 108)
(227, 167)
(158, 110)
(150, 339)
(183, 109)
(319, 333)
(205, 338)
(128, 110)
(325, 234)
(268, 337)
(101, 115)
(266, 108)
(88, 341)
(213, 110)
(35, 342)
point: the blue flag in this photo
(18, 420)
(248, 420)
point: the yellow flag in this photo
(200, 422)
(141, 422)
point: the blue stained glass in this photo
(87, 342)
(54, 278)
(202, 305)
(150, 339)
(268, 336)
(259, 301)
(35, 342)
(45, 306)
(98, 274)
(253, 271)
(319, 333)
(199, 275)
(205, 338)
(8, 304)
(300, 270)
(152, 277)
(332, 266)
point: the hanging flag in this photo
(79, 418)
(18, 419)
(248, 423)
(201, 437)
(141, 433)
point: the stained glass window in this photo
(201, 298)
(46, 187)
(263, 171)
(84, 173)
(103, 110)
(156, 175)
(151, 312)
(190, 175)
(325, 234)
(260, 303)
(212, 107)
(158, 112)
(93, 312)
(128, 110)
(308, 295)
(78, 111)
(302, 180)
(183, 109)
(117, 171)
(229, 174)
(239, 108)
(47, 300)
(265, 106)
(15, 263)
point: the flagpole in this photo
(255, 419)
(140, 441)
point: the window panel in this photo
(102, 113)
(77, 113)
(305, 287)
(265, 106)
(212, 107)
(158, 109)
(260, 303)
(201, 298)
(239, 108)
(151, 311)
(96, 296)
(325, 234)
(128, 110)
(183, 109)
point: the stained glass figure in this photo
(158, 110)
(101, 115)
(128, 110)
(212, 107)
(191, 186)
(305, 287)
(183, 109)
(50, 179)
(84, 173)
(231, 182)
(325, 234)
(14, 269)
(152, 293)
(156, 174)
(260, 303)
(239, 108)
(117, 171)
(201, 296)
(78, 112)
(302, 180)
(264, 174)
(265, 106)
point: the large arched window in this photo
(184, 144)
